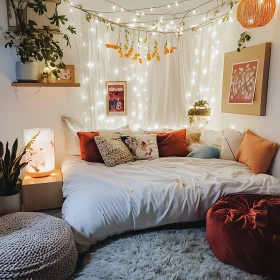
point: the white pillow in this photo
(211, 138)
(231, 142)
(194, 146)
(72, 141)
(143, 146)
(124, 130)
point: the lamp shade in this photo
(255, 13)
(40, 152)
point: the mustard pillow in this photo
(256, 152)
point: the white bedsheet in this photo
(103, 201)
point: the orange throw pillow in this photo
(173, 144)
(89, 150)
(256, 152)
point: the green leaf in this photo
(14, 150)
(7, 158)
(1, 150)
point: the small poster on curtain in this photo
(116, 98)
(243, 82)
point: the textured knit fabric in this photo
(36, 246)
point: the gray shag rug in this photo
(161, 255)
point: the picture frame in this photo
(29, 14)
(67, 75)
(243, 82)
(255, 102)
(116, 98)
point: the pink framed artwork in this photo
(243, 82)
(116, 104)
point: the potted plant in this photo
(200, 108)
(10, 183)
(33, 44)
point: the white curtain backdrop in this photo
(159, 93)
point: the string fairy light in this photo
(156, 24)
(138, 111)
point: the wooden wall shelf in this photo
(15, 84)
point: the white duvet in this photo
(103, 201)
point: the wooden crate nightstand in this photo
(42, 193)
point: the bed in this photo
(101, 201)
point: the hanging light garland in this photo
(255, 13)
(128, 29)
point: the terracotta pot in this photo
(10, 204)
(27, 72)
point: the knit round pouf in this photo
(36, 246)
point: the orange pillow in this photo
(256, 152)
(89, 150)
(173, 144)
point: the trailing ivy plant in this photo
(33, 44)
(244, 37)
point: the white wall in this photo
(25, 108)
(267, 126)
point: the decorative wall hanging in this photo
(255, 13)
(245, 80)
(116, 103)
(167, 23)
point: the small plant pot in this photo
(10, 204)
(27, 72)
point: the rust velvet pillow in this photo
(256, 152)
(173, 144)
(89, 150)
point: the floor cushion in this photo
(244, 231)
(36, 246)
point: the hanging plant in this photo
(200, 108)
(244, 37)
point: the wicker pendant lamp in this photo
(255, 13)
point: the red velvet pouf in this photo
(244, 231)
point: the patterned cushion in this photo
(113, 150)
(142, 146)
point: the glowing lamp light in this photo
(40, 155)
(255, 13)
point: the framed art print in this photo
(67, 75)
(116, 98)
(245, 80)
(29, 14)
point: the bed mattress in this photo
(103, 201)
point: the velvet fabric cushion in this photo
(244, 231)
(256, 152)
(89, 150)
(205, 152)
(173, 144)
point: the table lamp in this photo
(40, 153)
